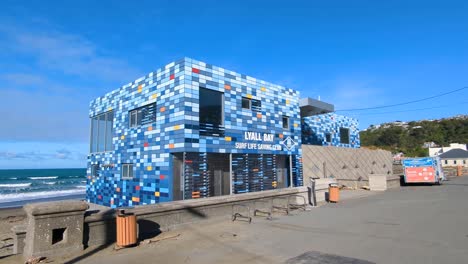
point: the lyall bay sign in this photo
(264, 141)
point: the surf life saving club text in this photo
(262, 137)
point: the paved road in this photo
(417, 224)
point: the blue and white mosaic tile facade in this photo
(316, 129)
(151, 147)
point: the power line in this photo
(412, 110)
(405, 103)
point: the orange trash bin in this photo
(333, 193)
(126, 229)
(459, 170)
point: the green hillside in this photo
(409, 137)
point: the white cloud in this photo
(68, 53)
(346, 93)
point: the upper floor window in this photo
(455, 162)
(211, 112)
(252, 104)
(102, 132)
(285, 122)
(142, 115)
(344, 135)
(246, 103)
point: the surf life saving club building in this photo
(192, 130)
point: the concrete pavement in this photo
(415, 224)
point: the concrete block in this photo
(18, 239)
(54, 228)
(378, 182)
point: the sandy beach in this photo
(9, 217)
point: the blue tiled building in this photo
(321, 126)
(192, 130)
(330, 129)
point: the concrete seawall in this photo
(153, 219)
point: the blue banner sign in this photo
(418, 162)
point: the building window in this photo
(446, 162)
(256, 105)
(95, 170)
(211, 113)
(246, 103)
(127, 171)
(285, 122)
(454, 162)
(344, 135)
(102, 132)
(143, 115)
(464, 162)
(328, 137)
(252, 104)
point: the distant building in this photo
(439, 150)
(454, 157)
(429, 145)
(322, 127)
(398, 157)
(330, 130)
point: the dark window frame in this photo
(95, 168)
(344, 140)
(135, 116)
(245, 99)
(253, 104)
(211, 122)
(328, 137)
(285, 125)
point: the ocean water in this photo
(21, 186)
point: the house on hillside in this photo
(439, 150)
(454, 157)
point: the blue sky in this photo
(56, 56)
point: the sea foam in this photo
(15, 185)
(13, 197)
(43, 178)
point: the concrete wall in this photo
(152, 219)
(350, 167)
(452, 171)
(454, 162)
